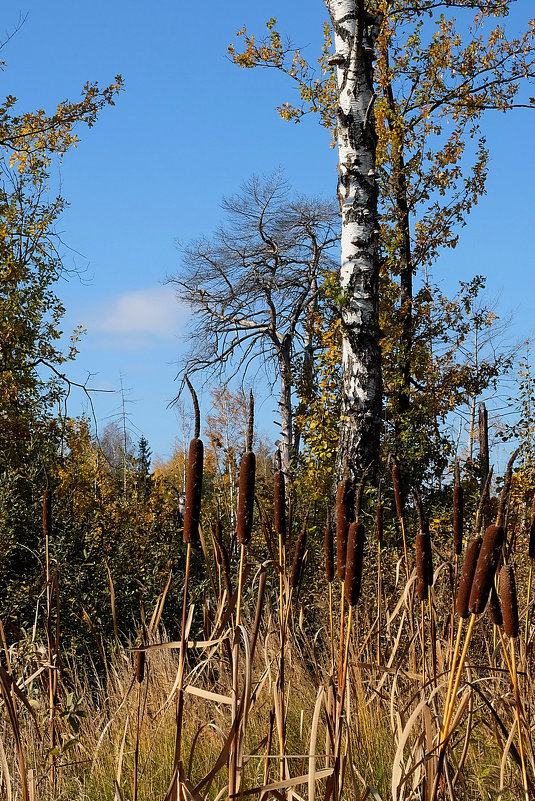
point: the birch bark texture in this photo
(355, 32)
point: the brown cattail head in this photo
(467, 576)
(422, 590)
(398, 490)
(494, 609)
(424, 557)
(458, 517)
(531, 547)
(47, 513)
(140, 666)
(279, 505)
(299, 554)
(345, 503)
(353, 566)
(509, 601)
(329, 550)
(192, 509)
(246, 488)
(487, 562)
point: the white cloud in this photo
(154, 311)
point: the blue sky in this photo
(189, 127)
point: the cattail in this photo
(246, 484)
(422, 590)
(140, 666)
(487, 563)
(467, 576)
(279, 505)
(329, 550)
(424, 557)
(345, 502)
(299, 554)
(47, 513)
(246, 488)
(192, 507)
(398, 490)
(531, 549)
(194, 471)
(458, 513)
(509, 601)
(424, 554)
(353, 565)
(494, 609)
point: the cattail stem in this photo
(176, 792)
(341, 641)
(433, 638)
(449, 712)
(282, 668)
(379, 602)
(331, 625)
(527, 606)
(506, 655)
(422, 609)
(452, 667)
(342, 681)
(518, 720)
(233, 756)
(402, 523)
(240, 585)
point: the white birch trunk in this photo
(359, 273)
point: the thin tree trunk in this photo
(286, 446)
(359, 273)
(404, 263)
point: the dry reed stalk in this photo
(509, 605)
(458, 531)
(379, 532)
(531, 554)
(279, 505)
(244, 526)
(462, 608)
(176, 791)
(192, 513)
(52, 637)
(424, 570)
(140, 676)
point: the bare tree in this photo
(252, 286)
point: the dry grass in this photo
(272, 671)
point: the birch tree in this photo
(355, 33)
(404, 132)
(253, 284)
